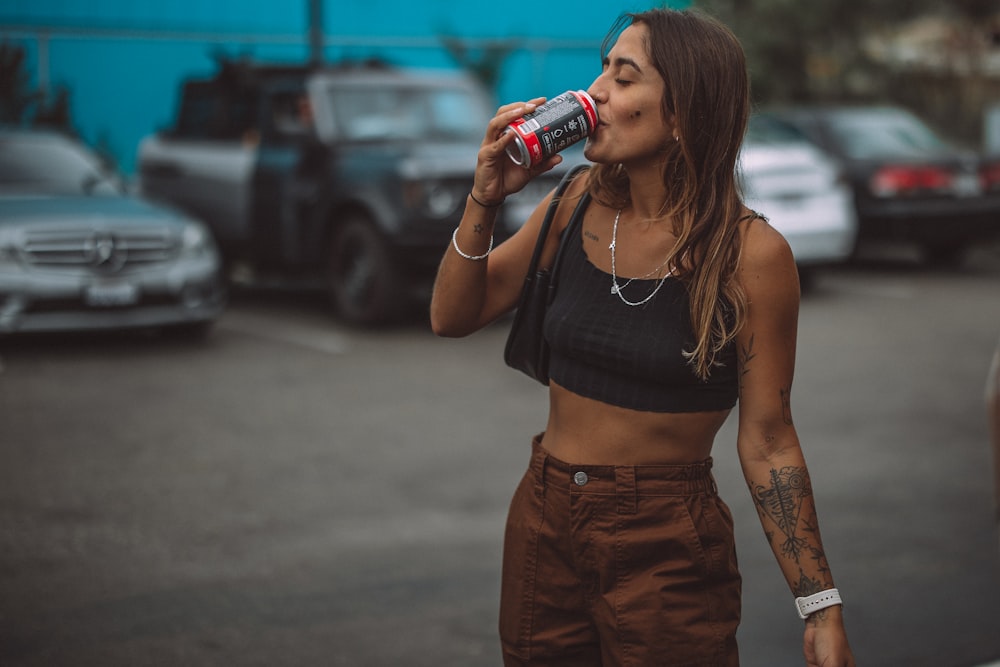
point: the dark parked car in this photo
(909, 184)
(78, 253)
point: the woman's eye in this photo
(622, 82)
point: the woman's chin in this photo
(591, 150)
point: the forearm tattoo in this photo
(785, 504)
(780, 502)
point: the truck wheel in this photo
(945, 255)
(363, 285)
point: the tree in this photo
(483, 63)
(976, 11)
(20, 104)
(16, 96)
(821, 51)
(804, 51)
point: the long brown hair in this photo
(707, 92)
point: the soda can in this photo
(552, 127)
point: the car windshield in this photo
(409, 112)
(49, 164)
(768, 130)
(880, 133)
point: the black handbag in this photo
(526, 349)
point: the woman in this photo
(673, 300)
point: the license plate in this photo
(106, 295)
(967, 185)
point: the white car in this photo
(801, 191)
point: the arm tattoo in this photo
(781, 503)
(746, 356)
(786, 406)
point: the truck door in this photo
(204, 165)
(285, 177)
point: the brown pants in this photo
(618, 566)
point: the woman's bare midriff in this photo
(588, 432)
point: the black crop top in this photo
(629, 356)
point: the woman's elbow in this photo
(446, 329)
(448, 325)
(763, 444)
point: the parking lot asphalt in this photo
(296, 492)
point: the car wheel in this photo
(948, 255)
(190, 331)
(362, 278)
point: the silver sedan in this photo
(78, 253)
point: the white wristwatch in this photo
(817, 601)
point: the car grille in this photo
(112, 251)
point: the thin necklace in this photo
(616, 288)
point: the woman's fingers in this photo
(546, 165)
(507, 114)
(497, 175)
(525, 107)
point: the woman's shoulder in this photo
(765, 254)
(762, 243)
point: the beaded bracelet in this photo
(475, 258)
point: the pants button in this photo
(580, 478)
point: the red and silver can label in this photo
(552, 127)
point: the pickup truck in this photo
(349, 177)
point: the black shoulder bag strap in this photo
(550, 213)
(526, 349)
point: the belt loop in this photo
(538, 468)
(625, 489)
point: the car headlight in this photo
(441, 201)
(196, 241)
(437, 199)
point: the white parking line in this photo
(324, 340)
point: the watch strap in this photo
(817, 601)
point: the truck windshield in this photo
(422, 113)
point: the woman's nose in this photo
(596, 92)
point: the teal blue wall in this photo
(122, 59)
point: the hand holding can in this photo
(552, 127)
